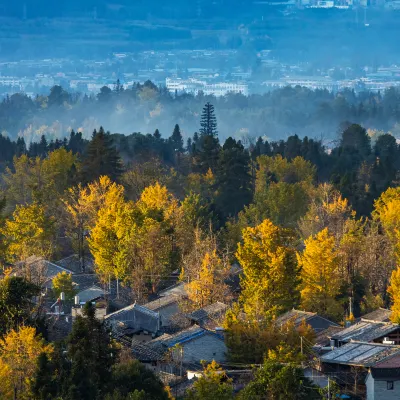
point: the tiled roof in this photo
(85, 281)
(365, 331)
(136, 317)
(392, 362)
(144, 353)
(297, 316)
(162, 302)
(323, 337)
(379, 315)
(74, 264)
(166, 341)
(208, 312)
(90, 294)
(177, 289)
(360, 354)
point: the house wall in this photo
(369, 383)
(377, 390)
(206, 347)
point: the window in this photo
(390, 385)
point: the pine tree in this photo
(233, 180)
(101, 158)
(21, 147)
(43, 146)
(208, 121)
(176, 140)
(91, 354)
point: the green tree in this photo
(16, 303)
(233, 182)
(91, 354)
(101, 158)
(213, 384)
(208, 121)
(176, 140)
(130, 378)
(274, 381)
(62, 282)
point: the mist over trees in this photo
(146, 107)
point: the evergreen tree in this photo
(208, 121)
(43, 147)
(101, 158)
(206, 154)
(21, 147)
(233, 180)
(76, 143)
(176, 140)
(91, 355)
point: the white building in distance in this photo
(194, 86)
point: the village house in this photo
(356, 367)
(297, 317)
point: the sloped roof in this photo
(90, 294)
(365, 331)
(162, 302)
(360, 354)
(73, 263)
(379, 315)
(166, 341)
(208, 311)
(85, 281)
(136, 317)
(177, 289)
(297, 316)
(142, 352)
(322, 338)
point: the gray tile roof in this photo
(360, 354)
(144, 353)
(297, 316)
(73, 263)
(91, 294)
(162, 302)
(166, 341)
(322, 338)
(211, 311)
(136, 317)
(380, 315)
(177, 289)
(365, 331)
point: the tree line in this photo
(145, 107)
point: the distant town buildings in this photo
(195, 86)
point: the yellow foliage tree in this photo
(387, 212)
(210, 286)
(320, 285)
(30, 232)
(19, 352)
(394, 293)
(270, 272)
